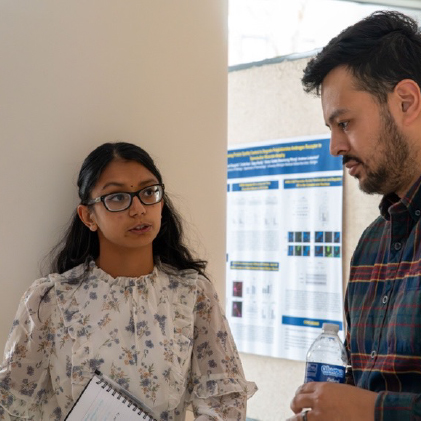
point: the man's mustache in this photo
(347, 158)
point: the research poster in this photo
(284, 244)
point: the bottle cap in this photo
(330, 327)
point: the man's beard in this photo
(395, 166)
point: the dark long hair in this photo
(80, 245)
(379, 51)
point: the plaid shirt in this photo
(383, 308)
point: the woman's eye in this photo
(117, 197)
(149, 191)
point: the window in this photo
(264, 29)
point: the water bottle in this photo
(326, 358)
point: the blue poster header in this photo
(305, 322)
(259, 185)
(282, 158)
(299, 183)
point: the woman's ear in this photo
(86, 217)
(407, 93)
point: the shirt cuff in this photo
(397, 406)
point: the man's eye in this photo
(117, 197)
(343, 125)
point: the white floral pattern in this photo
(162, 336)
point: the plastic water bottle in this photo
(326, 358)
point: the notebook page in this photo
(98, 403)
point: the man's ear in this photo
(407, 93)
(86, 217)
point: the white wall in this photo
(75, 74)
(267, 102)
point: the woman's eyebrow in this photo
(112, 183)
(122, 185)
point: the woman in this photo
(126, 298)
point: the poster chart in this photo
(284, 244)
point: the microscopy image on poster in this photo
(284, 240)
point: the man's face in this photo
(365, 134)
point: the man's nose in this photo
(338, 144)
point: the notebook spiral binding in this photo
(108, 387)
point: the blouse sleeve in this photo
(218, 389)
(24, 379)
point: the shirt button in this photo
(417, 212)
(385, 298)
(397, 246)
(373, 354)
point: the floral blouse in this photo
(162, 336)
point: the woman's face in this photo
(132, 229)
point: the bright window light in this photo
(264, 29)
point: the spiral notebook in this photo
(103, 400)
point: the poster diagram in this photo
(284, 244)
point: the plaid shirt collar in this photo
(411, 202)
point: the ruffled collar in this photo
(125, 281)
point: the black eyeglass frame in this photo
(131, 194)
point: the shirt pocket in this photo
(403, 317)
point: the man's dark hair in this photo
(379, 51)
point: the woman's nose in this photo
(137, 207)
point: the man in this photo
(369, 79)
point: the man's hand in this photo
(333, 402)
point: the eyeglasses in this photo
(120, 201)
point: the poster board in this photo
(284, 244)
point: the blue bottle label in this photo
(321, 372)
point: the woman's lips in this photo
(141, 229)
